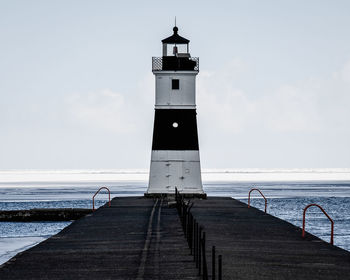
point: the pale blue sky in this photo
(76, 88)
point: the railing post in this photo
(195, 242)
(185, 218)
(213, 263)
(220, 268)
(189, 231)
(192, 224)
(204, 258)
(200, 251)
(197, 237)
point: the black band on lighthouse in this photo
(175, 129)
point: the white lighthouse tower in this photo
(175, 150)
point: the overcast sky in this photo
(77, 91)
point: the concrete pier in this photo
(255, 245)
(140, 238)
(135, 238)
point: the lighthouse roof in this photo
(175, 38)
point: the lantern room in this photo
(176, 56)
(176, 45)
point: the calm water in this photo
(286, 200)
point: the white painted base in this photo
(170, 169)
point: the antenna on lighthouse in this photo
(175, 20)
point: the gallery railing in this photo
(173, 63)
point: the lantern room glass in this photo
(174, 49)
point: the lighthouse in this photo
(175, 151)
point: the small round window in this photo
(175, 124)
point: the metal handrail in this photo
(324, 212)
(109, 197)
(261, 195)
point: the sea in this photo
(288, 192)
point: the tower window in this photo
(175, 84)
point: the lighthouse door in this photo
(175, 171)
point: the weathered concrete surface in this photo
(255, 245)
(136, 238)
(46, 214)
(139, 238)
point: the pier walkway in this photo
(135, 238)
(255, 245)
(139, 238)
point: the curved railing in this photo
(261, 195)
(324, 212)
(109, 197)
